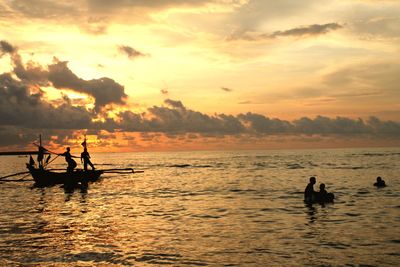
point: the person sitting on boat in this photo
(85, 158)
(309, 193)
(323, 196)
(379, 182)
(68, 158)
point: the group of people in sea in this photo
(312, 196)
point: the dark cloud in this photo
(310, 30)
(315, 29)
(6, 48)
(21, 108)
(380, 127)
(104, 90)
(261, 124)
(178, 119)
(174, 103)
(130, 52)
(226, 89)
(323, 125)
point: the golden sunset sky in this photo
(201, 74)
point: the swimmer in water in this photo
(309, 193)
(379, 182)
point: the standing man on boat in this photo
(68, 158)
(85, 158)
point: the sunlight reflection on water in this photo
(207, 209)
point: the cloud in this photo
(371, 78)
(324, 125)
(21, 108)
(175, 118)
(45, 8)
(374, 20)
(174, 103)
(310, 30)
(251, 16)
(109, 6)
(226, 89)
(24, 107)
(130, 52)
(104, 90)
(378, 26)
(6, 48)
(261, 124)
(315, 29)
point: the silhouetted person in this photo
(379, 182)
(40, 156)
(323, 196)
(322, 192)
(68, 158)
(85, 157)
(309, 193)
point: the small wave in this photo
(268, 209)
(206, 216)
(352, 214)
(179, 166)
(242, 191)
(379, 154)
(189, 166)
(350, 168)
(294, 166)
(159, 258)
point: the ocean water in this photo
(236, 208)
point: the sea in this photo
(208, 208)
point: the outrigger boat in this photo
(49, 177)
(44, 177)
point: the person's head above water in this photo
(313, 180)
(378, 179)
(322, 186)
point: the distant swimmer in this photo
(323, 196)
(379, 182)
(309, 193)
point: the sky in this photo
(138, 75)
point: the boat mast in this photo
(40, 153)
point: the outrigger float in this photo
(44, 177)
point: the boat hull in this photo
(49, 178)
